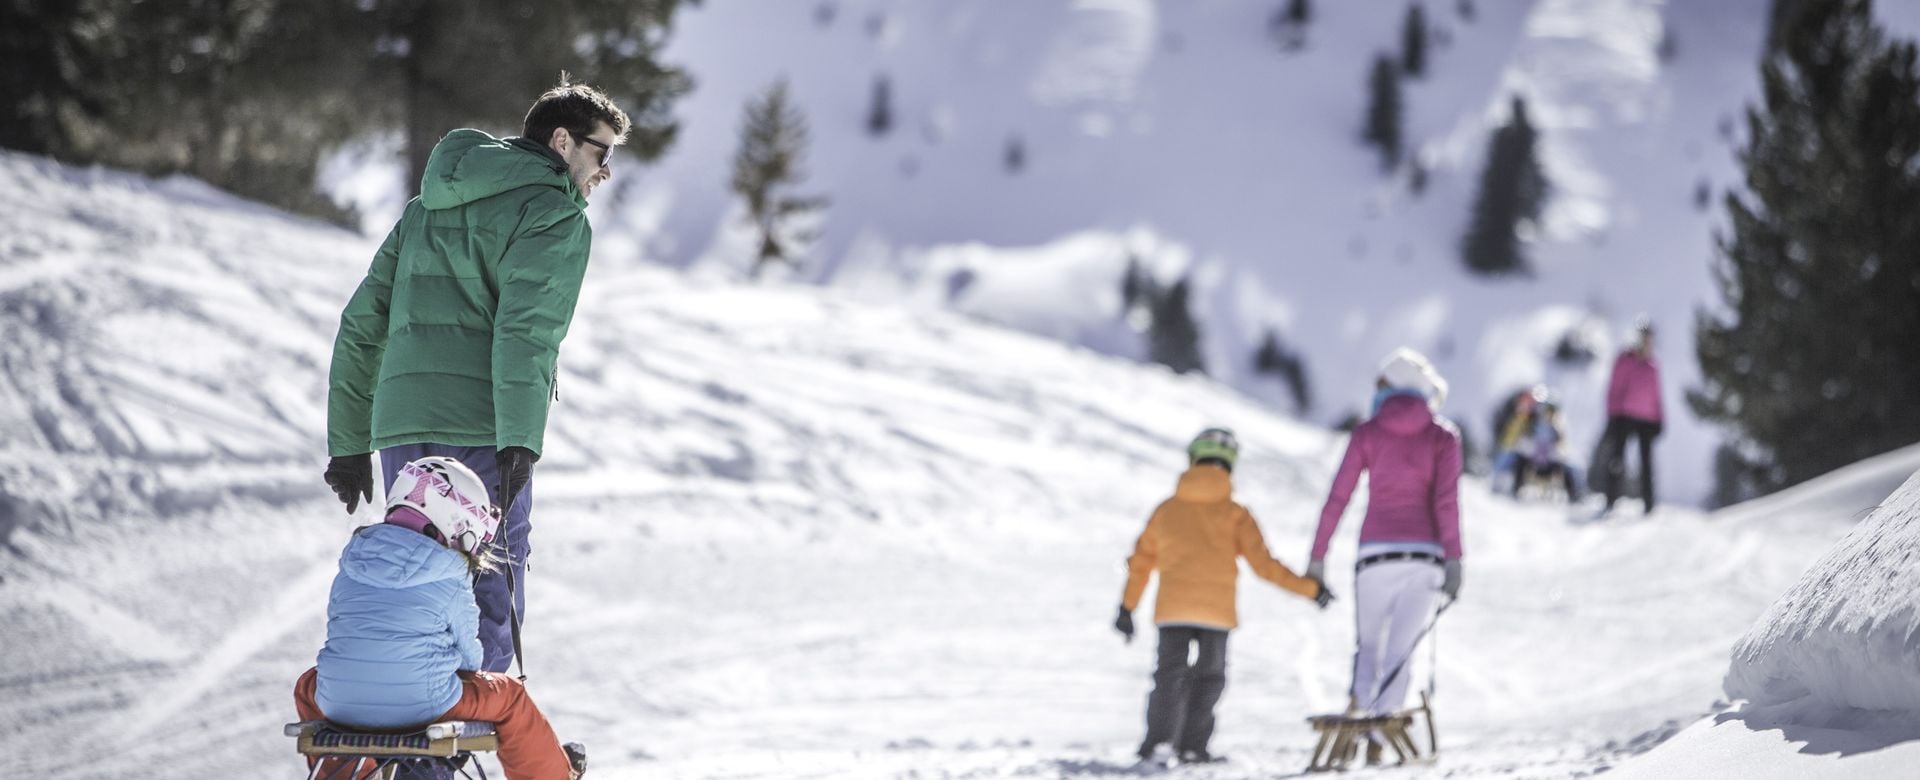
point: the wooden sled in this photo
(1342, 737)
(340, 753)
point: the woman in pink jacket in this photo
(1633, 409)
(1410, 540)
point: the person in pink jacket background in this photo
(1633, 409)
(1410, 548)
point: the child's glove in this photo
(1123, 623)
(1324, 596)
(351, 477)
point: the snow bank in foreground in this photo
(1847, 636)
(1751, 744)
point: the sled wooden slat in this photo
(376, 754)
(1342, 737)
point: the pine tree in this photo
(771, 160)
(1014, 158)
(880, 110)
(1288, 26)
(1384, 111)
(612, 44)
(1174, 339)
(1273, 358)
(45, 70)
(1137, 288)
(1814, 358)
(1413, 42)
(249, 96)
(1512, 190)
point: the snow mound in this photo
(1847, 636)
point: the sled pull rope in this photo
(1433, 652)
(513, 587)
(1399, 667)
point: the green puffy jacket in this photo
(454, 336)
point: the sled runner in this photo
(352, 755)
(1342, 737)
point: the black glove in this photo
(1451, 585)
(1658, 428)
(516, 468)
(351, 477)
(1123, 623)
(1323, 597)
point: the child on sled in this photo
(403, 628)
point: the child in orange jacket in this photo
(1195, 540)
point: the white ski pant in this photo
(1393, 601)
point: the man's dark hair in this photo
(575, 107)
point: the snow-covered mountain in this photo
(1184, 134)
(782, 532)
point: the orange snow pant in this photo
(528, 748)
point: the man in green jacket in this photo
(451, 343)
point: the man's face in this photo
(585, 156)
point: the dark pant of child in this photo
(1180, 709)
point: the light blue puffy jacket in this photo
(400, 622)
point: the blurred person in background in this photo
(1633, 410)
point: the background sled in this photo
(1341, 737)
(354, 755)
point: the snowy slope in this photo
(1825, 681)
(781, 533)
(1180, 133)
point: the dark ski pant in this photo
(490, 590)
(1180, 709)
(1614, 450)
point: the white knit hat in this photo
(1406, 369)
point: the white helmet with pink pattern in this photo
(451, 499)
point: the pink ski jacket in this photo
(1635, 388)
(1413, 493)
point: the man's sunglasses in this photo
(606, 152)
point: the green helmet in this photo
(1214, 443)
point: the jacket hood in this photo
(1404, 415)
(1204, 484)
(388, 556)
(469, 165)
